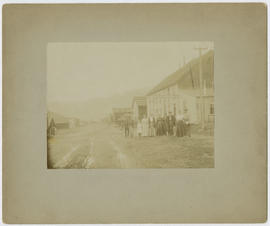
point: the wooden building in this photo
(186, 90)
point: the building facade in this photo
(139, 107)
(186, 90)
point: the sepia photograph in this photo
(158, 107)
(130, 105)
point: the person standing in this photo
(151, 123)
(159, 126)
(131, 128)
(52, 128)
(186, 123)
(126, 125)
(174, 129)
(170, 123)
(165, 125)
(179, 124)
(144, 126)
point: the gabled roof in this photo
(140, 100)
(186, 71)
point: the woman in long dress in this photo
(179, 124)
(151, 123)
(144, 127)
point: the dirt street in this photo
(101, 145)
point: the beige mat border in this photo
(234, 191)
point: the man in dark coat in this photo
(131, 127)
(159, 126)
(186, 121)
(165, 125)
(126, 126)
(170, 123)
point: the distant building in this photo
(139, 107)
(73, 122)
(119, 114)
(60, 122)
(181, 91)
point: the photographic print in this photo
(160, 108)
(130, 105)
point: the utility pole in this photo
(202, 107)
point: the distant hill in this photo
(97, 108)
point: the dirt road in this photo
(92, 146)
(100, 145)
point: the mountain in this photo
(96, 108)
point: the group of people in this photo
(169, 125)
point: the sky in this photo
(82, 71)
